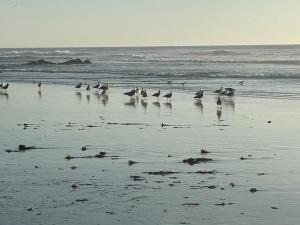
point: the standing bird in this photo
(5, 86)
(88, 88)
(104, 89)
(157, 94)
(40, 89)
(199, 94)
(130, 93)
(97, 85)
(219, 90)
(168, 96)
(242, 82)
(144, 93)
(78, 86)
(229, 92)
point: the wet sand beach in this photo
(252, 177)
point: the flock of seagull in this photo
(137, 91)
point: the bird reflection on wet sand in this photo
(168, 105)
(157, 104)
(78, 95)
(40, 93)
(144, 103)
(199, 104)
(88, 98)
(229, 103)
(131, 102)
(4, 95)
(219, 114)
(104, 99)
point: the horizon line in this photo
(155, 46)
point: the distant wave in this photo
(55, 52)
(124, 74)
(221, 52)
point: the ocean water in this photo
(268, 71)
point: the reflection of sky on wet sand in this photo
(63, 126)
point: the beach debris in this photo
(269, 121)
(131, 162)
(243, 158)
(190, 204)
(128, 124)
(169, 156)
(81, 200)
(273, 207)
(22, 148)
(223, 204)
(211, 187)
(232, 184)
(193, 161)
(137, 178)
(28, 125)
(29, 209)
(200, 187)
(253, 190)
(74, 186)
(84, 148)
(36, 167)
(73, 167)
(162, 173)
(203, 151)
(91, 126)
(99, 155)
(205, 172)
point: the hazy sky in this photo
(63, 23)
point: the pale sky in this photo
(80, 23)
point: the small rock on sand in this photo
(252, 190)
(131, 162)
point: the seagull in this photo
(78, 86)
(199, 94)
(219, 90)
(97, 85)
(104, 89)
(230, 91)
(242, 82)
(130, 93)
(157, 94)
(5, 86)
(88, 88)
(144, 93)
(40, 84)
(169, 95)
